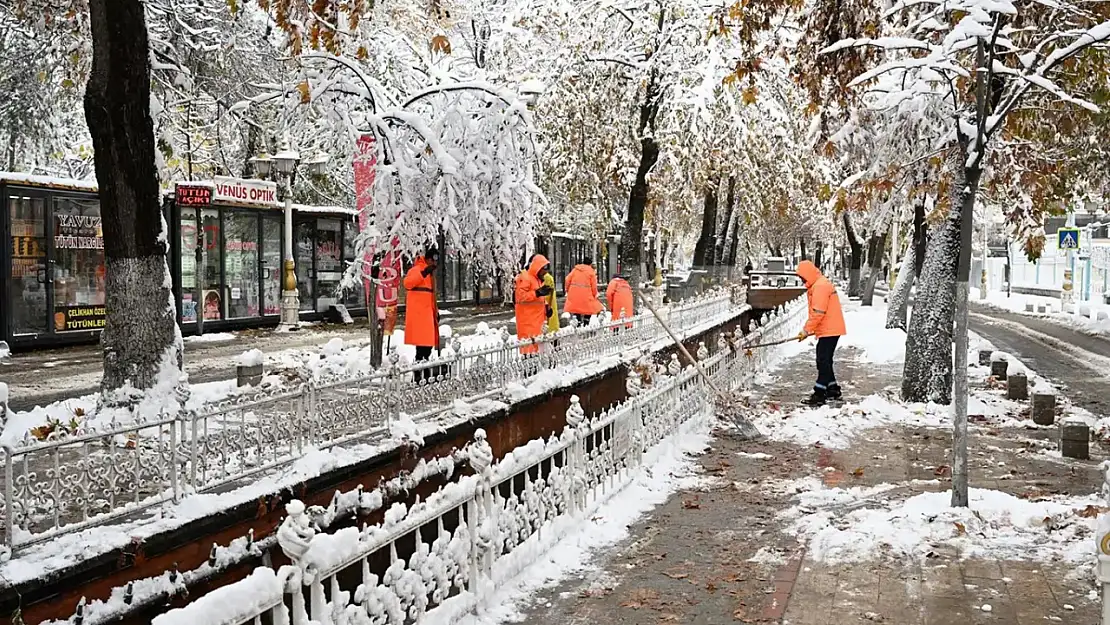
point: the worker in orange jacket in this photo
(619, 296)
(581, 290)
(826, 322)
(531, 307)
(421, 310)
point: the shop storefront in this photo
(235, 280)
(52, 284)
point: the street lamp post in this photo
(284, 163)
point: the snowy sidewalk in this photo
(44, 377)
(841, 516)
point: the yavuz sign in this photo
(245, 191)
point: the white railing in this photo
(78, 479)
(475, 534)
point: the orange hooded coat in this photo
(619, 296)
(531, 310)
(581, 289)
(421, 311)
(825, 315)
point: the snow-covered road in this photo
(1074, 360)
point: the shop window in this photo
(353, 297)
(304, 243)
(211, 279)
(188, 230)
(27, 287)
(78, 265)
(241, 268)
(329, 262)
(272, 250)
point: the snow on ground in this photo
(337, 357)
(63, 551)
(867, 332)
(996, 526)
(835, 427)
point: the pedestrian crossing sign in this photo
(1067, 238)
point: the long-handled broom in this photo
(728, 406)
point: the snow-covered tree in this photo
(983, 60)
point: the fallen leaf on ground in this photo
(858, 472)
(942, 471)
(1092, 511)
(676, 575)
(711, 587)
(691, 504)
(960, 529)
(640, 597)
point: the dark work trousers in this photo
(826, 377)
(583, 320)
(422, 355)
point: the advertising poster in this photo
(69, 318)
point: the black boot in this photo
(833, 391)
(817, 398)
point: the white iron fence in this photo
(473, 535)
(78, 479)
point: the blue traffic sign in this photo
(1067, 238)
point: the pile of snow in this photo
(996, 526)
(215, 337)
(834, 427)
(251, 358)
(5, 351)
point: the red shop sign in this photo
(193, 196)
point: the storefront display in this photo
(329, 263)
(27, 283)
(78, 265)
(241, 251)
(271, 264)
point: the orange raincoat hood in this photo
(539, 262)
(809, 272)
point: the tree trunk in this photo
(875, 249)
(703, 250)
(857, 258)
(927, 375)
(731, 259)
(726, 226)
(142, 344)
(909, 272)
(631, 246)
(817, 254)
(802, 247)
(899, 298)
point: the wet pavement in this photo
(716, 553)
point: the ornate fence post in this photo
(294, 535)
(484, 533)
(392, 389)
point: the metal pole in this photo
(290, 299)
(198, 275)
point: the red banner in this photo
(389, 273)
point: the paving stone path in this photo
(716, 553)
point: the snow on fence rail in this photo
(476, 534)
(75, 480)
